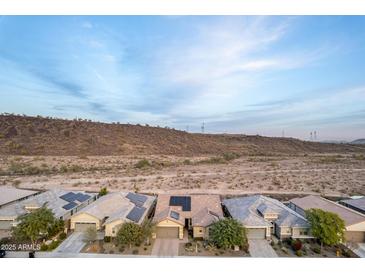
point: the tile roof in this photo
(50, 198)
(246, 210)
(115, 206)
(357, 203)
(205, 209)
(348, 215)
(10, 194)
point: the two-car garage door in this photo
(6, 224)
(80, 227)
(167, 232)
(256, 233)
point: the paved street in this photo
(261, 249)
(68, 255)
(166, 247)
(73, 244)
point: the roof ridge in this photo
(342, 206)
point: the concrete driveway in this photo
(261, 249)
(166, 247)
(72, 244)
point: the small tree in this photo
(130, 233)
(147, 229)
(36, 225)
(227, 233)
(327, 227)
(103, 191)
(90, 234)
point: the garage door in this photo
(79, 227)
(256, 233)
(167, 232)
(6, 224)
(355, 236)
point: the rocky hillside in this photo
(45, 136)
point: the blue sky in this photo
(237, 74)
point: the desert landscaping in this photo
(328, 174)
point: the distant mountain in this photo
(51, 136)
(335, 142)
(358, 142)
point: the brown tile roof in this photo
(350, 217)
(205, 209)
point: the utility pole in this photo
(203, 127)
(315, 135)
(311, 136)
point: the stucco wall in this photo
(200, 232)
(297, 230)
(113, 225)
(84, 218)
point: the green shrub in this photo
(107, 239)
(44, 247)
(316, 250)
(298, 253)
(53, 245)
(62, 236)
(187, 162)
(142, 164)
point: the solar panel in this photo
(69, 197)
(82, 197)
(137, 199)
(136, 213)
(183, 201)
(69, 205)
(175, 215)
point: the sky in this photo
(271, 76)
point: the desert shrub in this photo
(229, 156)
(296, 245)
(298, 253)
(62, 236)
(107, 239)
(187, 162)
(135, 252)
(142, 164)
(316, 250)
(145, 248)
(187, 245)
(103, 191)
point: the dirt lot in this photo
(328, 174)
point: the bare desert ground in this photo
(327, 174)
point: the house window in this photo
(303, 232)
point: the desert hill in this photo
(24, 135)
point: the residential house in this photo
(62, 203)
(263, 216)
(196, 213)
(110, 211)
(354, 221)
(357, 204)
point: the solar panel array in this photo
(69, 205)
(137, 199)
(175, 215)
(71, 197)
(136, 213)
(183, 201)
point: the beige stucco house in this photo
(62, 203)
(177, 213)
(354, 221)
(109, 212)
(263, 217)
